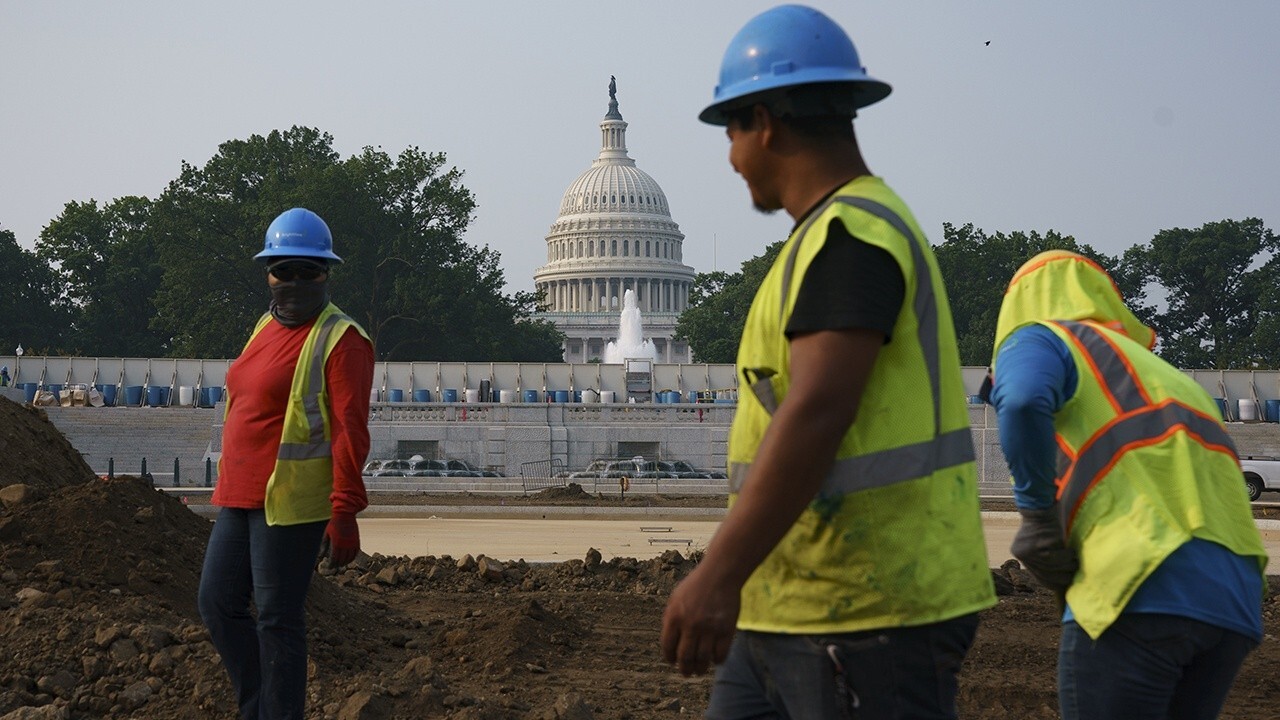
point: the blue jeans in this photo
(886, 674)
(1162, 667)
(270, 565)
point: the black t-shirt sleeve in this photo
(849, 284)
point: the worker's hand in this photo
(699, 622)
(1041, 546)
(342, 537)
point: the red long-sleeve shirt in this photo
(258, 384)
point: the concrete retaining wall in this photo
(496, 435)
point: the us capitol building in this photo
(614, 234)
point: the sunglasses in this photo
(289, 273)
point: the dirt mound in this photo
(98, 581)
(572, 491)
(34, 453)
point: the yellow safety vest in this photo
(299, 487)
(1145, 464)
(894, 537)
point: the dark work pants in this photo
(887, 674)
(249, 560)
(1148, 667)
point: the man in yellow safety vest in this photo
(1133, 505)
(851, 565)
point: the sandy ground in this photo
(558, 540)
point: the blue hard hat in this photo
(785, 47)
(298, 233)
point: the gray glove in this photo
(1041, 546)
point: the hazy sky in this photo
(1108, 121)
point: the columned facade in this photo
(614, 233)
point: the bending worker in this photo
(293, 443)
(851, 561)
(1133, 503)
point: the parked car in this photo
(427, 468)
(1261, 472)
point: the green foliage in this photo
(718, 305)
(409, 279)
(35, 313)
(109, 272)
(977, 267)
(1219, 281)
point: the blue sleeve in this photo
(1035, 375)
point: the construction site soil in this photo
(98, 618)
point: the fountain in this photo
(629, 345)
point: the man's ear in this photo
(766, 123)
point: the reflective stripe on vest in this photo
(894, 465)
(1138, 422)
(886, 467)
(316, 446)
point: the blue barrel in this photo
(108, 394)
(395, 395)
(133, 395)
(202, 398)
(562, 396)
(155, 396)
(422, 395)
(1271, 411)
(577, 396)
(54, 388)
(1222, 407)
(450, 394)
(531, 396)
(30, 390)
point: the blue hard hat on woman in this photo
(298, 233)
(787, 48)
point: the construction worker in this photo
(1132, 500)
(851, 562)
(294, 441)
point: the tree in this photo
(718, 305)
(408, 278)
(977, 267)
(1264, 345)
(109, 272)
(35, 313)
(1219, 282)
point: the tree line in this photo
(174, 276)
(1212, 293)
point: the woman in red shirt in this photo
(271, 486)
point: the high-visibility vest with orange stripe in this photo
(1144, 465)
(894, 536)
(302, 480)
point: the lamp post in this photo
(17, 364)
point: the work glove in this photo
(1041, 546)
(341, 539)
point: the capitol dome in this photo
(614, 233)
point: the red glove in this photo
(343, 538)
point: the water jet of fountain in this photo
(629, 344)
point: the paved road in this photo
(557, 540)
